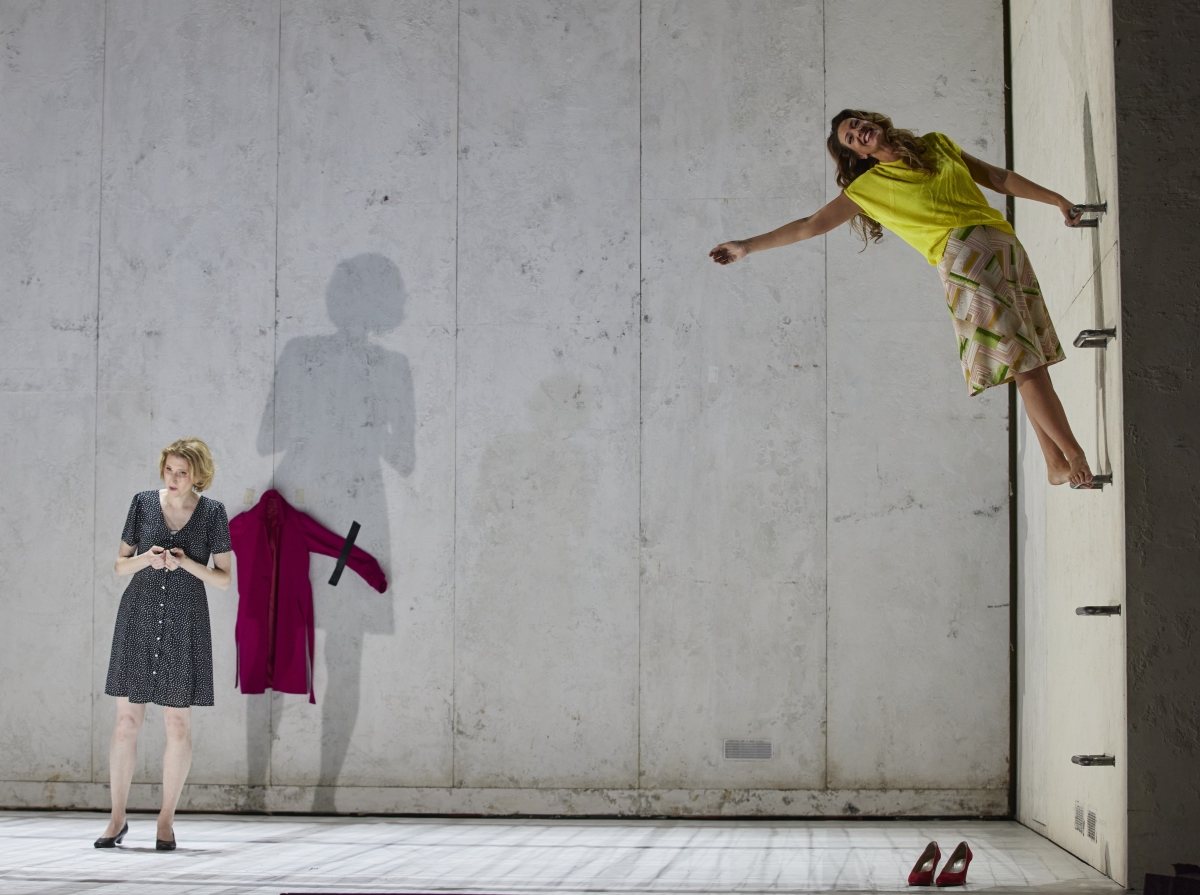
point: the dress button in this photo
(154, 672)
(164, 587)
(160, 604)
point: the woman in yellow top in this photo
(924, 190)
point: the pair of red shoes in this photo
(953, 874)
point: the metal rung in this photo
(1077, 210)
(1098, 610)
(1093, 761)
(1094, 338)
(1098, 483)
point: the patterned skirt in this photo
(999, 315)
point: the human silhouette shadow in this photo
(341, 406)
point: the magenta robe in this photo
(275, 633)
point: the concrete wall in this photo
(1126, 686)
(1072, 667)
(442, 269)
(1071, 680)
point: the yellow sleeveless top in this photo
(921, 208)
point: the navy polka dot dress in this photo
(162, 644)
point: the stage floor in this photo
(51, 852)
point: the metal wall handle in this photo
(1077, 210)
(1094, 338)
(1098, 483)
(1093, 761)
(1098, 610)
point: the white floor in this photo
(51, 852)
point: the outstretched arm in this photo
(1010, 183)
(832, 215)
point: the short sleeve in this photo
(218, 529)
(133, 523)
(948, 146)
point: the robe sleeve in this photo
(322, 540)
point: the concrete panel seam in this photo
(96, 384)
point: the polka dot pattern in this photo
(162, 643)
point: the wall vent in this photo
(1079, 817)
(1091, 826)
(747, 750)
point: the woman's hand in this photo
(173, 559)
(728, 252)
(156, 558)
(1065, 205)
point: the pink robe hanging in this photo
(275, 629)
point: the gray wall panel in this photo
(186, 297)
(361, 417)
(549, 162)
(918, 471)
(733, 468)
(546, 682)
(50, 88)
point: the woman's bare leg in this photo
(1049, 421)
(122, 757)
(1057, 468)
(177, 760)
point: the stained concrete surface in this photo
(441, 270)
(1071, 675)
(918, 480)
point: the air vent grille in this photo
(747, 750)
(1079, 817)
(1091, 826)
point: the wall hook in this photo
(1092, 761)
(1098, 483)
(1094, 338)
(1101, 208)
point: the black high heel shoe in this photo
(112, 841)
(165, 844)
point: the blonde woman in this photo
(162, 646)
(926, 191)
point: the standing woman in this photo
(162, 646)
(924, 190)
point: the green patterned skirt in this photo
(1000, 318)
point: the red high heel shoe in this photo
(926, 866)
(955, 871)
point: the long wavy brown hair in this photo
(904, 143)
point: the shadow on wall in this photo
(342, 406)
(1092, 196)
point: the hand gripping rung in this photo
(1099, 208)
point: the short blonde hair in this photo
(200, 461)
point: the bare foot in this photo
(1058, 470)
(114, 827)
(166, 831)
(1081, 473)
